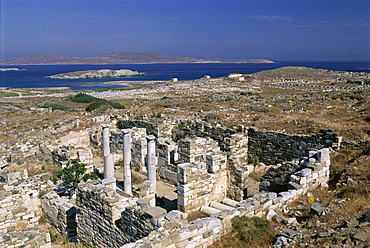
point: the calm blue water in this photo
(33, 76)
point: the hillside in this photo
(117, 58)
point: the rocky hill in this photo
(105, 73)
(117, 58)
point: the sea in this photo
(33, 76)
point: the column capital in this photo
(150, 138)
(126, 131)
(104, 125)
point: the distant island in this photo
(104, 73)
(9, 69)
(117, 58)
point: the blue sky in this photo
(235, 29)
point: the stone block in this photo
(315, 175)
(271, 213)
(323, 155)
(183, 244)
(13, 176)
(285, 196)
(271, 195)
(174, 215)
(304, 172)
(170, 241)
(317, 208)
(302, 181)
(156, 212)
(143, 204)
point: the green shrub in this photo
(53, 235)
(91, 176)
(74, 172)
(95, 105)
(101, 103)
(54, 106)
(83, 98)
(116, 105)
(54, 180)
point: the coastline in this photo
(33, 76)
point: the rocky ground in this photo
(342, 218)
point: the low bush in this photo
(54, 106)
(53, 234)
(96, 105)
(83, 98)
(347, 191)
(103, 104)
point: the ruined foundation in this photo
(209, 167)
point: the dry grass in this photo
(348, 208)
(195, 214)
(247, 232)
(256, 175)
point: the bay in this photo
(33, 76)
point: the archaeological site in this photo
(207, 169)
(183, 161)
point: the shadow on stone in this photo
(166, 203)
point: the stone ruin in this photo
(19, 201)
(209, 166)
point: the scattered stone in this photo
(317, 209)
(362, 236)
(279, 219)
(289, 233)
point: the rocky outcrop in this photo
(9, 69)
(104, 73)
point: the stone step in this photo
(230, 202)
(220, 206)
(210, 210)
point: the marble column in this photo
(151, 167)
(151, 158)
(127, 161)
(108, 158)
(109, 168)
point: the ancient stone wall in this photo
(61, 213)
(165, 129)
(138, 148)
(236, 147)
(167, 159)
(127, 124)
(28, 152)
(201, 183)
(203, 232)
(203, 129)
(79, 139)
(196, 149)
(107, 219)
(20, 213)
(274, 147)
